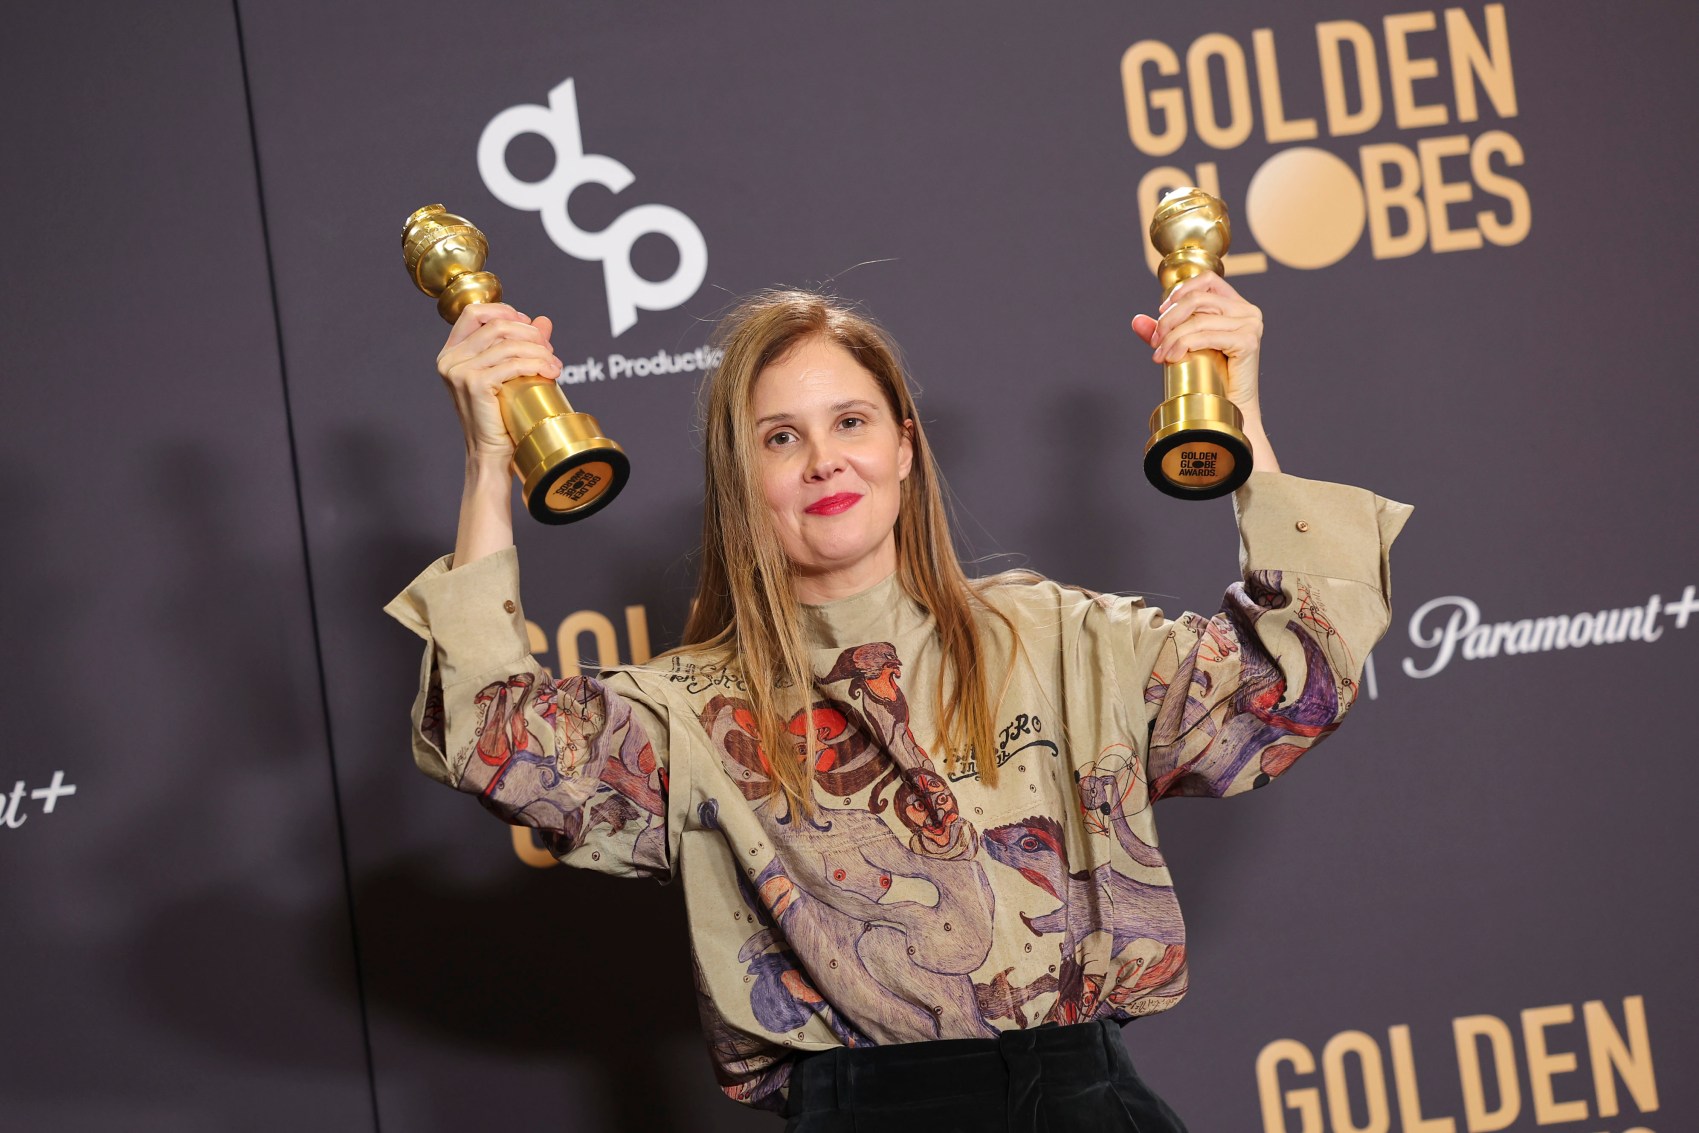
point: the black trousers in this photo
(1051, 1079)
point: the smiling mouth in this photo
(833, 505)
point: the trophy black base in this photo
(578, 486)
(1197, 464)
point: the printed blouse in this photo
(916, 902)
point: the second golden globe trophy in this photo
(566, 468)
(1196, 450)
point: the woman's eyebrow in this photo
(838, 407)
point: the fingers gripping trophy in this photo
(567, 469)
(1197, 448)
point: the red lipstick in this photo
(833, 505)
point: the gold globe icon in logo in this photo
(1305, 207)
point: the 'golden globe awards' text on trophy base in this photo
(1196, 450)
(567, 469)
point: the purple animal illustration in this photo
(1131, 910)
(744, 1065)
(1111, 787)
(903, 928)
(1002, 999)
(782, 996)
(598, 752)
(905, 931)
(1202, 745)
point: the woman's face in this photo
(832, 460)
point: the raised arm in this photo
(489, 344)
(1206, 313)
(1233, 700)
(581, 759)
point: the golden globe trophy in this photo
(567, 469)
(1196, 450)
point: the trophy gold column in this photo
(567, 469)
(1196, 450)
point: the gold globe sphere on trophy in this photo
(567, 468)
(1196, 450)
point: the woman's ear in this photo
(905, 449)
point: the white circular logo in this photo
(557, 123)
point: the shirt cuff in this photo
(1314, 527)
(471, 615)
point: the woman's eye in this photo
(782, 437)
(851, 422)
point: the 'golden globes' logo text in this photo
(1580, 1067)
(1413, 73)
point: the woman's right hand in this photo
(489, 344)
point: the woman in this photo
(923, 880)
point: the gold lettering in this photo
(607, 648)
(1409, 1093)
(1141, 101)
(527, 851)
(1405, 196)
(1403, 71)
(1331, 35)
(1338, 1089)
(1233, 264)
(582, 622)
(637, 634)
(1276, 126)
(1490, 64)
(1440, 194)
(1632, 1059)
(1210, 129)
(1305, 1102)
(1543, 1066)
(1501, 232)
(1468, 1031)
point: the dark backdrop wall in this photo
(231, 902)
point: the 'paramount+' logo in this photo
(1405, 85)
(1453, 627)
(558, 124)
(13, 809)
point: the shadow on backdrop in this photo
(539, 963)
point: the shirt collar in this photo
(882, 612)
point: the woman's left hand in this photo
(1205, 313)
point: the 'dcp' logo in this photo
(558, 124)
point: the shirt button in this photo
(509, 606)
(1303, 525)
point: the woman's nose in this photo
(824, 458)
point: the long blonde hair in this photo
(746, 610)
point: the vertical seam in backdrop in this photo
(307, 563)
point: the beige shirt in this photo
(918, 903)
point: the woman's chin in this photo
(844, 562)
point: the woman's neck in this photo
(817, 589)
